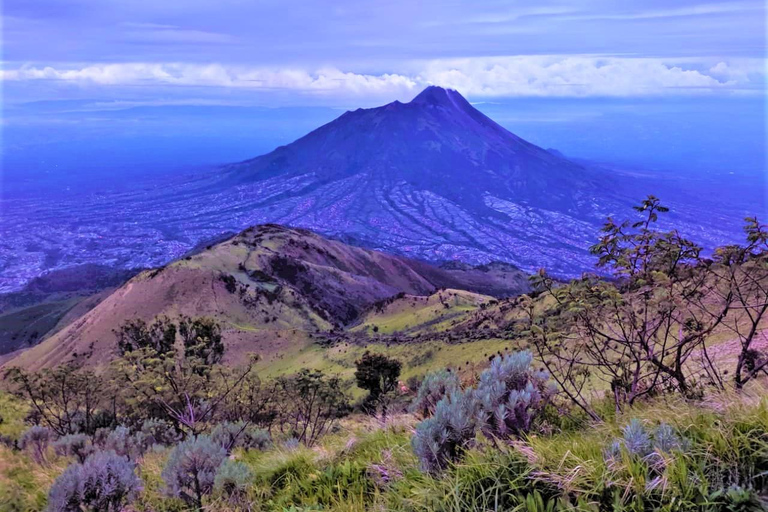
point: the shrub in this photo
(647, 447)
(158, 432)
(639, 441)
(103, 483)
(121, 441)
(434, 388)
(308, 404)
(232, 479)
(511, 395)
(256, 439)
(444, 437)
(36, 440)
(508, 398)
(737, 499)
(231, 435)
(191, 469)
(74, 445)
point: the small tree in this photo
(378, 374)
(742, 273)
(641, 331)
(135, 334)
(202, 340)
(185, 390)
(65, 399)
(104, 482)
(308, 404)
(191, 469)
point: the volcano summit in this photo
(436, 179)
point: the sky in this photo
(111, 83)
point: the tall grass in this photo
(365, 466)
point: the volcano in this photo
(437, 143)
(435, 179)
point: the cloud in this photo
(566, 76)
(570, 76)
(675, 12)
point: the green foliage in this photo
(378, 374)
(136, 334)
(104, 482)
(736, 499)
(308, 404)
(201, 338)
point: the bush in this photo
(74, 445)
(639, 441)
(158, 432)
(121, 441)
(256, 439)
(308, 404)
(231, 435)
(444, 437)
(434, 388)
(508, 398)
(36, 440)
(191, 469)
(511, 395)
(103, 483)
(232, 479)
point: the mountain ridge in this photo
(272, 289)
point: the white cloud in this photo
(569, 76)
(477, 77)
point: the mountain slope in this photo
(271, 288)
(433, 178)
(437, 142)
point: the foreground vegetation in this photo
(624, 401)
(364, 465)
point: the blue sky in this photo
(551, 70)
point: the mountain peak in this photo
(436, 95)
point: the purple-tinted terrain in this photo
(433, 179)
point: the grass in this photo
(436, 313)
(418, 358)
(364, 465)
